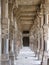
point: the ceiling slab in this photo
(28, 2)
(28, 12)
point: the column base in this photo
(5, 59)
(40, 54)
(6, 62)
(12, 58)
(0, 60)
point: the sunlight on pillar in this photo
(47, 45)
(7, 46)
(12, 46)
(48, 41)
(46, 18)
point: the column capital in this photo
(46, 8)
(45, 26)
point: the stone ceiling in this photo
(27, 10)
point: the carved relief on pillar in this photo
(4, 18)
(46, 12)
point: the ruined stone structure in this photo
(20, 19)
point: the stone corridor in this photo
(24, 32)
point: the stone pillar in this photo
(39, 36)
(7, 46)
(11, 46)
(4, 15)
(45, 27)
(0, 33)
(46, 14)
(15, 35)
(48, 41)
(42, 40)
(41, 30)
(38, 50)
(38, 41)
(4, 18)
(12, 54)
(38, 33)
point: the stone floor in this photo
(27, 57)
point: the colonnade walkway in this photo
(27, 57)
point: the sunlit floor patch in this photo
(27, 57)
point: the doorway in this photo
(26, 41)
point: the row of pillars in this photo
(10, 42)
(40, 34)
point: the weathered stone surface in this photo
(24, 15)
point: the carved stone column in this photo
(45, 27)
(11, 36)
(38, 19)
(38, 42)
(41, 31)
(0, 33)
(7, 46)
(4, 15)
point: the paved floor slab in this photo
(27, 57)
